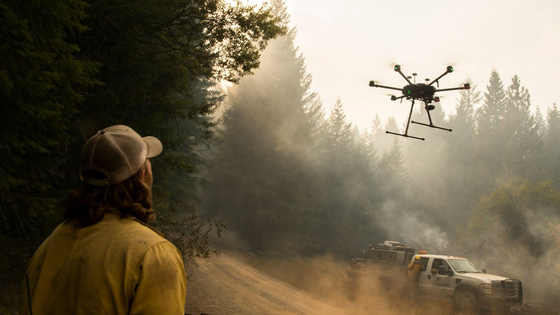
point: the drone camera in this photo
(449, 69)
(371, 83)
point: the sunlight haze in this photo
(347, 44)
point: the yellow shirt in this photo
(117, 266)
(414, 270)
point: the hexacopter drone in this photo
(419, 91)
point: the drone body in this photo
(424, 92)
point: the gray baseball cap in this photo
(116, 153)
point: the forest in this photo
(263, 158)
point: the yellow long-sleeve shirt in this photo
(414, 270)
(117, 266)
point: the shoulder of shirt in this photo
(111, 217)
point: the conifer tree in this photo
(263, 165)
(520, 135)
(489, 146)
(391, 168)
(41, 82)
(350, 189)
(540, 123)
(551, 147)
(459, 179)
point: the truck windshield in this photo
(463, 266)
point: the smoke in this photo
(403, 225)
(538, 267)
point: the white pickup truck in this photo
(470, 288)
(443, 276)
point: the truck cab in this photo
(458, 279)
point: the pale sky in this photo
(348, 43)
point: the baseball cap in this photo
(116, 153)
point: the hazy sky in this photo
(347, 43)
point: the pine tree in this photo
(391, 168)
(540, 123)
(551, 148)
(350, 188)
(458, 175)
(263, 165)
(41, 83)
(523, 145)
(489, 146)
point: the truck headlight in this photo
(485, 288)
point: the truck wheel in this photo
(466, 302)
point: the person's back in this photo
(105, 258)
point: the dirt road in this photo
(226, 285)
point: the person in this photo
(414, 269)
(435, 266)
(105, 258)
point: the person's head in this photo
(416, 259)
(116, 177)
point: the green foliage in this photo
(512, 232)
(70, 68)
(505, 216)
(40, 83)
(161, 61)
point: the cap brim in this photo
(154, 146)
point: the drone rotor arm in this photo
(449, 70)
(399, 71)
(373, 84)
(465, 87)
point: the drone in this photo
(424, 92)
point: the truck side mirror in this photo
(483, 270)
(441, 270)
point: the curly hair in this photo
(88, 205)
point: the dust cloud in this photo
(326, 279)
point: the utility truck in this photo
(443, 276)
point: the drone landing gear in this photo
(405, 134)
(431, 125)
